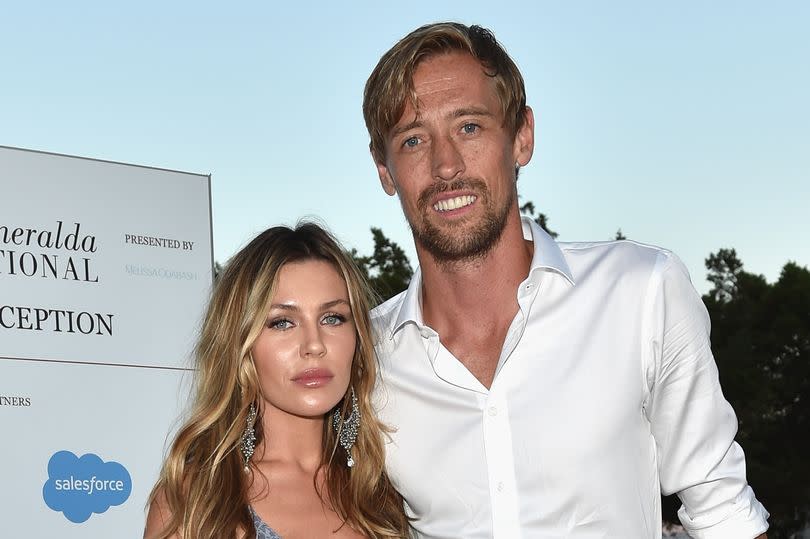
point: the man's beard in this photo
(473, 243)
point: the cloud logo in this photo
(79, 487)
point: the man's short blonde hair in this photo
(391, 82)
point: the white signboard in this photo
(104, 271)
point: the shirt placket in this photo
(500, 468)
(498, 431)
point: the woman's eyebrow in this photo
(335, 302)
(325, 305)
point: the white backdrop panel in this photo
(87, 400)
(120, 414)
(147, 279)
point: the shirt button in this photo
(500, 486)
(493, 411)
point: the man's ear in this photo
(386, 180)
(524, 139)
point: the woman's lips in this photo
(313, 377)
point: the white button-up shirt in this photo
(605, 395)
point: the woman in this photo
(281, 434)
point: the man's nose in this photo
(447, 161)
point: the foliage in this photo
(541, 219)
(724, 270)
(761, 342)
(388, 270)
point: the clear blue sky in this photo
(687, 124)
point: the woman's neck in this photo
(291, 440)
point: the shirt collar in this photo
(410, 309)
(547, 256)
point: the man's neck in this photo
(484, 287)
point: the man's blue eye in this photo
(411, 142)
(470, 128)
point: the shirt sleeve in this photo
(692, 423)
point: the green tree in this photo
(541, 219)
(388, 270)
(724, 270)
(761, 342)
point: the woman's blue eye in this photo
(334, 319)
(281, 323)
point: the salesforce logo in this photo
(79, 487)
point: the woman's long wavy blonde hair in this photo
(202, 483)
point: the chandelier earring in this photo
(346, 429)
(248, 441)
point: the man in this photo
(537, 389)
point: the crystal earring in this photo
(248, 441)
(346, 429)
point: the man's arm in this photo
(692, 423)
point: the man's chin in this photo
(456, 246)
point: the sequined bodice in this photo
(263, 531)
